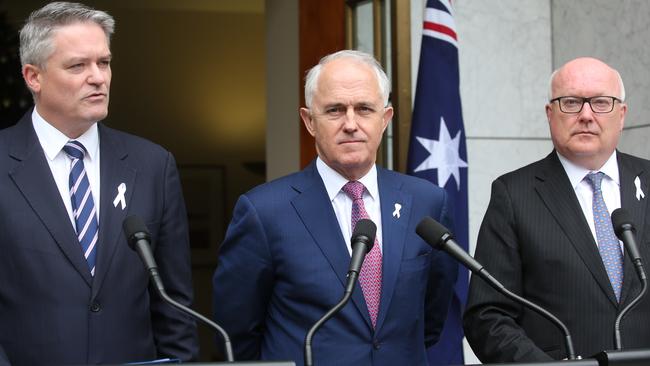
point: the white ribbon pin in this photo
(121, 189)
(639, 192)
(396, 213)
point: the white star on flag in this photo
(443, 155)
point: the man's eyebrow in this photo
(365, 104)
(332, 105)
(76, 59)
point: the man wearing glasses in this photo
(547, 233)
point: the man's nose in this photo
(97, 75)
(586, 113)
(350, 119)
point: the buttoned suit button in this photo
(95, 307)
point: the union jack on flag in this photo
(439, 23)
(437, 151)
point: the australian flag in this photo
(437, 151)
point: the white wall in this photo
(282, 88)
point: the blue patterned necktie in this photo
(608, 245)
(83, 206)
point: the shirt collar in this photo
(334, 181)
(577, 173)
(53, 140)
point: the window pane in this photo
(363, 27)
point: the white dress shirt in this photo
(610, 187)
(52, 142)
(342, 203)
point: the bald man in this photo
(547, 233)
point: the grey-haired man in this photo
(72, 291)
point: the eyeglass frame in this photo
(585, 100)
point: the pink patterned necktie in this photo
(370, 275)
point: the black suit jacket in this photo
(536, 241)
(52, 311)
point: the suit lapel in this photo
(394, 236)
(553, 183)
(33, 178)
(628, 172)
(321, 222)
(113, 171)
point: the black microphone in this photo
(436, 235)
(138, 238)
(363, 238)
(624, 229)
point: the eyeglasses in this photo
(600, 104)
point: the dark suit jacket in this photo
(3, 358)
(536, 241)
(52, 311)
(284, 262)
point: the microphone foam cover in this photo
(367, 228)
(431, 231)
(133, 225)
(621, 218)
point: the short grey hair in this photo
(36, 35)
(311, 80)
(618, 75)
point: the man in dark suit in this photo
(285, 257)
(72, 291)
(548, 237)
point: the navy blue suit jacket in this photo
(284, 261)
(52, 311)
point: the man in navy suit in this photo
(285, 257)
(547, 233)
(72, 291)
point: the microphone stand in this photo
(363, 239)
(624, 229)
(541, 311)
(349, 287)
(160, 289)
(138, 238)
(436, 235)
(631, 305)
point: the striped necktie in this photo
(371, 274)
(83, 206)
(608, 245)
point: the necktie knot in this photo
(595, 180)
(75, 149)
(354, 189)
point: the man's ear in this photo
(623, 113)
(305, 114)
(387, 117)
(549, 110)
(32, 76)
